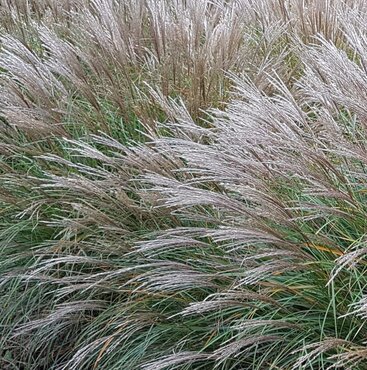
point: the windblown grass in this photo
(183, 184)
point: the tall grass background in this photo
(183, 184)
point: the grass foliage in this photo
(183, 184)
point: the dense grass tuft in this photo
(183, 184)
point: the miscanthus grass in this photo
(183, 184)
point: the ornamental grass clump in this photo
(183, 185)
